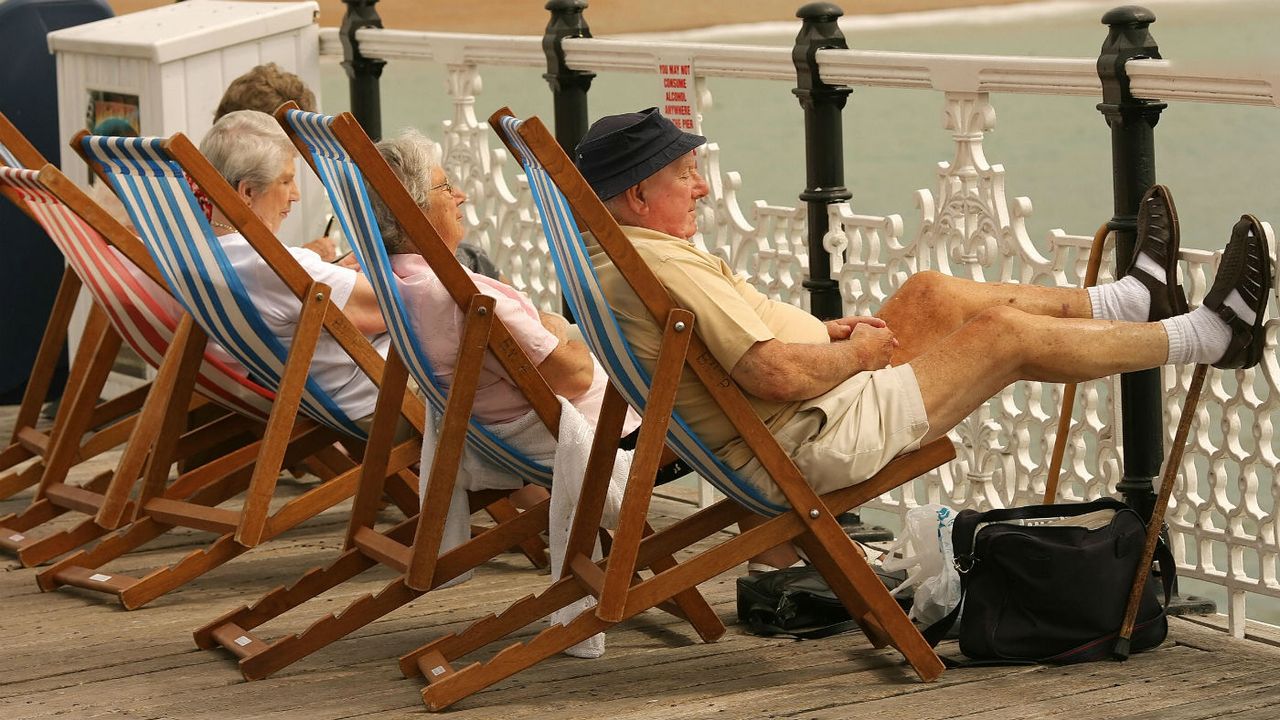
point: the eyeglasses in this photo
(448, 187)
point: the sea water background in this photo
(1220, 161)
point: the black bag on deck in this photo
(1049, 583)
(798, 602)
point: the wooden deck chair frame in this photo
(284, 441)
(85, 233)
(410, 551)
(111, 422)
(809, 521)
(215, 480)
(95, 426)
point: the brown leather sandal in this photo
(1159, 238)
(1246, 268)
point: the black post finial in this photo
(363, 73)
(824, 146)
(568, 86)
(1132, 121)
(1129, 38)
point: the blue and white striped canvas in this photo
(581, 287)
(346, 187)
(155, 191)
(8, 158)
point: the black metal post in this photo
(363, 73)
(824, 146)
(1132, 121)
(824, 175)
(568, 86)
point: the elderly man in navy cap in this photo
(843, 397)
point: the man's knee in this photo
(1003, 331)
(998, 319)
(925, 286)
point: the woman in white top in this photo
(253, 154)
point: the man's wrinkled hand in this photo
(842, 328)
(872, 346)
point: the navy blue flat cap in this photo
(619, 151)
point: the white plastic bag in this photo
(924, 550)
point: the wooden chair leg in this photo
(450, 441)
(46, 360)
(174, 423)
(373, 475)
(649, 446)
(253, 515)
(589, 512)
(161, 401)
(447, 686)
(534, 549)
(99, 346)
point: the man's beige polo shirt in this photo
(731, 317)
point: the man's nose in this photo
(701, 189)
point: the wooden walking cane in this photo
(1156, 522)
(1069, 390)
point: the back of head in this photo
(413, 158)
(247, 146)
(265, 88)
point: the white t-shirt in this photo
(331, 366)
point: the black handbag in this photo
(1049, 583)
(798, 602)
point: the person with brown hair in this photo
(265, 88)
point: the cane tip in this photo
(1121, 650)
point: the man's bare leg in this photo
(1022, 336)
(1001, 345)
(931, 306)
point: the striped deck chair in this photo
(96, 426)
(148, 175)
(343, 156)
(561, 193)
(84, 427)
(146, 325)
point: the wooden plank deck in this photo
(71, 655)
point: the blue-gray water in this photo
(1218, 160)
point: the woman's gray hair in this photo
(413, 158)
(247, 146)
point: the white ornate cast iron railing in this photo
(1223, 521)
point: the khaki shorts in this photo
(849, 433)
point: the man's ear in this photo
(635, 200)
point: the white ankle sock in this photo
(1127, 299)
(1199, 336)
